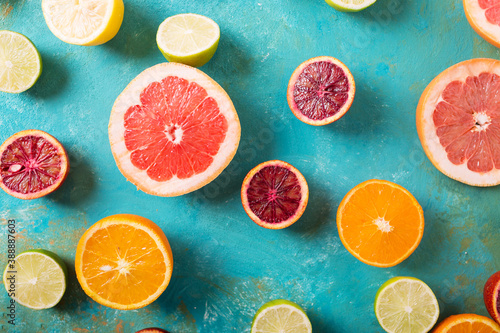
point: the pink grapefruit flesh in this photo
(491, 295)
(484, 17)
(32, 164)
(274, 194)
(320, 91)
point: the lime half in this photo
(20, 62)
(37, 279)
(281, 316)
(406, 305)
(350, 5)
(190, 39)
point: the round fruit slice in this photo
(152, 330)
(83, 22)
(281, 316)
(491, 294)
(274, 194)
(20, 62)
(320, 91)
(190, 39)
(458, 122)
(32, 164)
(484, 17)
(173, 130)
(36, 279)
(406, 304)
(124, 262)
(350, 5)
(380, 223)
(467, 323)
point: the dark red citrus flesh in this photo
(274, 194)
(175, 131)
(152, 330)
(321, 90)
(492, 10)
(491, 294)
(30, 164)
(468, 122)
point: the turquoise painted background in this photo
(226, 266)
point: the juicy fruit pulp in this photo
(467, 323)
(281, 316)
(492, 10)
(152, 330)
(491, 295)
(350, 5)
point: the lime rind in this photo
(297, 317)
(350, 5)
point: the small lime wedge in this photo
(37, 279)
(406, 305)
(20, 62)
(281, 316)
(190, 39)
(350, 5)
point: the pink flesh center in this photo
(274, 194)
(492, 10)
(468, 122)
(175, 131)
(30, 164)
(321, 90)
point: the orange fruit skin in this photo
(490, 295)
(109, 220)
(480, 31)
(296, 74)
(255, 218)
(64, 163)
(480, 324)
(341, 211)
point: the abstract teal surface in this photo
(226, 266)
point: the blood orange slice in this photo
(274, 194)
(32, 164)
(320, 91)
(458, 122)
(491, 295)
(173, 130)
(484, 17)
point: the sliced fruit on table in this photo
(152, 330)
(350, 5)
(20, 62)
(37, 279)
(320, 91)
(173, 130)
(281, 316)
(32, 164)
(467, 323)
(124, 262)
(83, 22)
(380, 223)
(484, 17)
(274, 194)
(190, 39)
(491, 295)
(458, 122)
(406, 305)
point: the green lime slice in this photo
(350, 5)
(281, 316)
(37, 279)
(190, 39)
(20, 62)
(406, 305)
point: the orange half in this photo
(467, 323)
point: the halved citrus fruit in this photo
(32, 164)
(320, 91)
(380, 223)
(173, 130)
(458, 122)
(281, 316)
(124, 262)
(467, 323)
(491, 295)
(350, 5)
(274, 194)
(484, 17)
(152, 330)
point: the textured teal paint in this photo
(225, 265)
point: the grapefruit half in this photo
(484, 17)
(173, 130)
(458, 122)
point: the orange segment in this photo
(124, 262)
(380, 223)
(467, 323)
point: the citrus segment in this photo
(124, 262)
(173, 130)
(491, 295)
(281, 316)
(484, 17)
(350, 5)
(467, 323)
(380, 223)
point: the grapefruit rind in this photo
(446, 326)
(478, 21)
(427, 130)
(131, 96)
